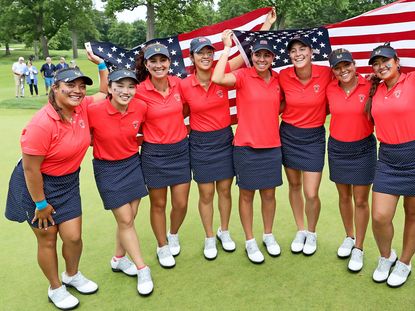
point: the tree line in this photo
(63, 24)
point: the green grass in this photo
(231, 282)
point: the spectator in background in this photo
(31, 73)
(48, 70)
(18, 69)
(61, 65)
(72, 64)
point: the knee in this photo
(380, 218)
(246, 196)
(311, 196)
(268, 196)
(158, 205)
(345, 199)
(361, 203)
(295, 185)
(206, 197)
(224, 191)
(73, 239)
(125, 223)
(47, 242)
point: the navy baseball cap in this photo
(156, 49)
(303, 40)
(340, 55)
(383, 51)
(262, 44)
(71, 74)
(117, 75)
(199, 43)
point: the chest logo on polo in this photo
(397, 93)
(220, 93)
(362, 97)
(135, 124)
(177, 97)
(81, 123)
(316, 88)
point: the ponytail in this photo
(54, 104)
(141, 71)
(368, 106)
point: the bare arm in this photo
(219, 76)
(103, 77)
(238, 61)
(34, 182)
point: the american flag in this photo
(393, 23)
(118, 57)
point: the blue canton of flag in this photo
(279, 40)
(117, 57)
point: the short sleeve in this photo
(35, 139)
(239, 75)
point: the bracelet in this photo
(102, 66)
(41, 204)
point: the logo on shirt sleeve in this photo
(220, 93)
(135, 124)
(177, 97)
(316, 88)
(362, 97)
(397, 93)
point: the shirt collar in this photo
(54, 114)
(254, 74)
(314, 73)
(149, 85)
(111, 110)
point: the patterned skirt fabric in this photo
(303, 149)
(211, 155)
(62, 192)
(395, 169)
(166, 164)
(257, 168)
(352, 163)
(119, 182)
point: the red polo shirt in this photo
(394, 111)
(258, 105)
(305, 104)
(63, 144)
(209, 110)
(115, 134)
(164, 118)
(349, 122)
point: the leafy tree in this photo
(9, 28)
(61, 40)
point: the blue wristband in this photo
(41, 204)
(102, 66)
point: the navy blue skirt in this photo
(352, 163)
(119, 182)
(211, 155)
(62, 192)
(303, 149)
(166, 164)
(257, 168)
(395, 169)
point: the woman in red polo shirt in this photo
(165, 150)
(257, 149)
(303, 138)
(44, 186)
(114, 124)
(210, 139)
(393, 112)
(351, 152)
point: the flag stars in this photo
(131, 59)
(173, 52)
(128, 66)
(314, 39)
(100, 49)
(325, 55)
(285, 61)
(122, 54)
(136, 52)
(175, 63)
(119, 61)
(320, 33)
(179, 75)
(114, 49)
(282, 51)
(109, 55)
(322, 45)
(170, 40)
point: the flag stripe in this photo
(382, 37)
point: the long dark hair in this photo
(54, 104)
(368, 106)
(141, 71)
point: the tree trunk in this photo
(280, 23)
(44, 43)
(150, 20)
(7, 48)
(36, 48)
(74, 44)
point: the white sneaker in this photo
(271, 244)
(297, 244)
(225, 239)
(399, 274)
(356, 260)
(80, 283)
(310, 245)
(381, 272)
(174, 243)
(345, 249)
(166, 259)
(210, 252)
(62, 299)
(254, 254)
(123, 264)
(144, 282)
